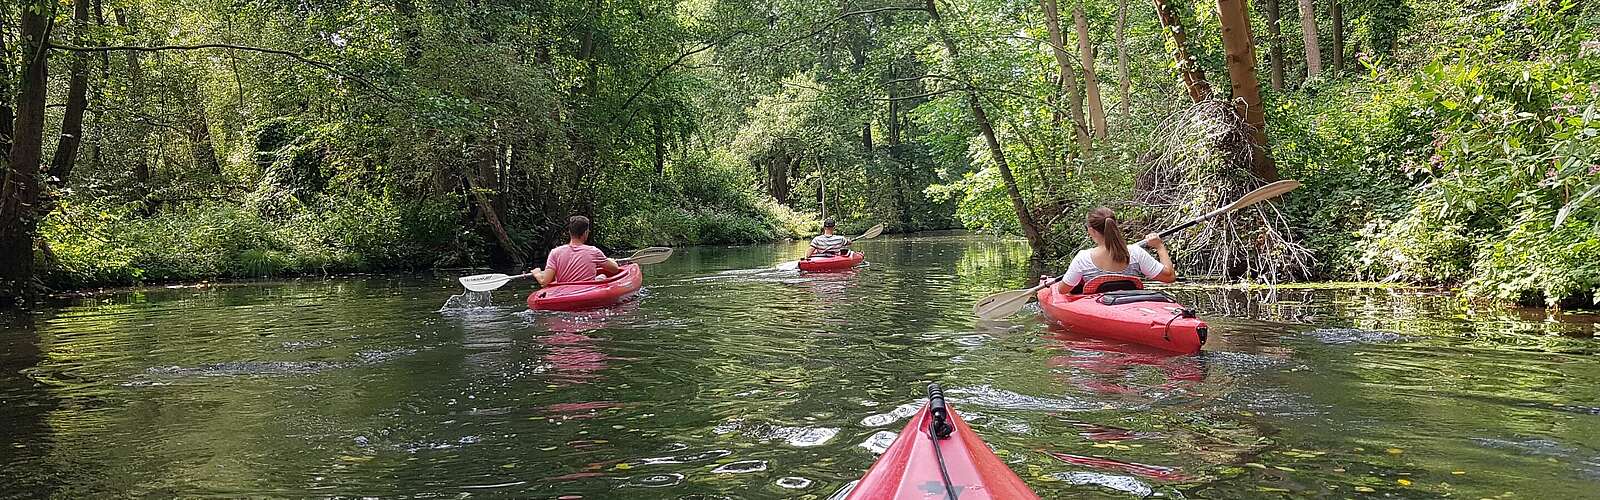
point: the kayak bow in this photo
(937, 456)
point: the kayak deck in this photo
(910, 468)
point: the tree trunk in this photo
(1091, 82)
(135, 99)
(1337, 13)
(661, 145)
(1068, 80)
(866, 136)
(77, 100)
(1194, 78)
(1239, 45)
(1030, 229)
(1124, 84)
(200, 146)
(19, 190)
(1308, 27)
(1274, 42)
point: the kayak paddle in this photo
(487, 282)
(870, 234)
(1006, 303)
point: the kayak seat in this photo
(1109, 283)
(1131, 296)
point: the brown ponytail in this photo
(1103, 221)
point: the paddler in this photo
(1110, 257)
(576, 260)
(828, 244)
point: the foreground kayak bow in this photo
(937, 456)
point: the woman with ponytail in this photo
(1110, 256)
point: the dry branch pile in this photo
(1200, 160)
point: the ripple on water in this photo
(988, 396)
(899, 412)
(741, 467)
(879, 442)
(656, 480)
(794, 483)
(1354, 336)
(802, 437)
(1124, 484)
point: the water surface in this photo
(728, 379)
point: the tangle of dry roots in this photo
(1200, 160)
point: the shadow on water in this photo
(727, 377)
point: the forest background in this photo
(1440, 142)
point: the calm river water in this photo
(728, 379)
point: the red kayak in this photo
(1119, 308)
(938, 457)
(579, 295)
(832, 263)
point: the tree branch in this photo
(844, 16)
(201, 46)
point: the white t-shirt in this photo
(1140, 263)
(830, 243)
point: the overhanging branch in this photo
(202, 46)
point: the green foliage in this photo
(1492, 138)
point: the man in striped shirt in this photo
(828, 244)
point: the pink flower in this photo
(1594, 169)
(1550, 174)
(1567, 97)
(1436, 160)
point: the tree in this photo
(1123, 82)
(77, 101)
(1193, 77)
(1274, 42)
(19, 191)
(1239, 45)
(1336, 11)
(1091, 82)
(1068, 80)
(1308, 28)
(1030, 228)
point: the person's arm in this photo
(544, 275)
(1169, 273)
(1074, 274)
(609, 267)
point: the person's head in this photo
(828, 226)
(1104, 231)
(578, 227)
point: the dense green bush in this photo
(1454, 172)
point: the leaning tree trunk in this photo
(1091, 83)
(1194, 78)
(77, 101)
(1030, 228)
(1239, 46)
(1274, 42)
(19, 189)
(1336, 12)
(1069, 80)
(1308, 27)
(1124, 84)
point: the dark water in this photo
(731, 380)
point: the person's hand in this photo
(535, 270)
(1154, 241)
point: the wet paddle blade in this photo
(485, 282)
(1003, 304)
(793, 265)
(1264, 193)
(652, 255)
(871, 233)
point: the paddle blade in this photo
(793, 265)
(1264, 193)
(484, 282)
(652, 255)
(1002, 304)
(871, 233)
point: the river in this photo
(729, 379)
